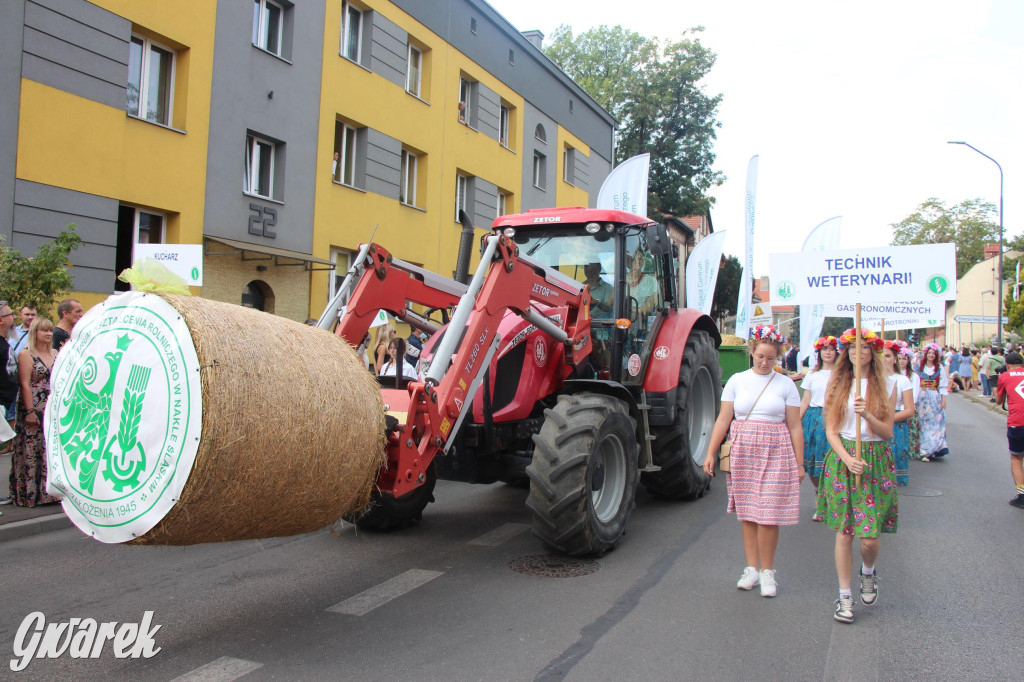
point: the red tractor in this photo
(565, 363)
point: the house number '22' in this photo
(262, 219)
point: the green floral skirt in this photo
(866, 511)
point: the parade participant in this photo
(764, 480)
(903, 365)
(814, 385)
(1008, 389)
(397, 349)
(901, 440)
(975, 365)
(385, 333)
(931, 405)
(28, 460)
(869, 509)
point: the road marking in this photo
(500, 534)
(367, 601)
(224, 669)
(852, 654)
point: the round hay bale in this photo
(290, 436)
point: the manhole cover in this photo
(913, 491)
(551, 566)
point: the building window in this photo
(540, 163)
(350, 154)
(461, 192)
(267, 25)
(135, 226)
(412, 77)
(351, 32)
(570, 106)
(407, 190)
(502, 203)
(347, 167)
(342, 260)
(569, 165)
(259, 167)
(512, 57)
(503, 124)
(472, 25)
(540, 134)
(150, 78)
(466, 101)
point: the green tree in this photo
(727, 288)
(834, 326)
(40, 280)
(969, 225)
(653, 88)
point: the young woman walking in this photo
(901, 440)
(914, 425)
(765, 476)
(850, 510)
(814, 385)
(931, 405)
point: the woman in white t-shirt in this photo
(903, 362)
(871, 508)
(815, 385)
(904, 409)
(764, 481)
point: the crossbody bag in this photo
(723, 453)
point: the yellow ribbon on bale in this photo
(150, 275)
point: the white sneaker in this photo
(769, 587)
(749, 579)
(844, 609)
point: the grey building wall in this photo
(485, 202)
(388, 49)
(582, 171)
(244, 77)
(488, 111)
(383, 164)
(532, 75)
(532, 196)
(10, 85)
(599, 170)
(41, 212)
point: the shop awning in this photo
(259, 252)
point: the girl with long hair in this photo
(903, 360)
(814, 385)
(931, 404)
(901, 440)
(764, 480)
(850, 510)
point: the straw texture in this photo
(292, 429)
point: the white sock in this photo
(754, 569)
(867, 571)
(845, 593)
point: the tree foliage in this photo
(834, 326)
(969, 225)
(653, 88)
(727, 288)
(40, 280)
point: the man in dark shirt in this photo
(791, 357)
(69, 311)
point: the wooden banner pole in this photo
(856, 383)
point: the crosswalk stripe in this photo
(500, 534)
(367, 601)
(224, 669)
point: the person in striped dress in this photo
(767, 447)
(901, 437)
(815, 385)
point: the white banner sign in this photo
(625, 188)
(925, 271)
(184, 260)
(762, 314)
(702, 272)
(745, 297)
(897, 315)
(824, 237)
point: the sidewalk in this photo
(19, 522)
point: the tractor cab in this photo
(627, 264)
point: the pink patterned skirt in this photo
(764, 484)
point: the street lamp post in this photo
(999, 294)
(987, 291)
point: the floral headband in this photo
(906, 351)
(932, 346)
(826, 341)
(866, 335)
(766, 332)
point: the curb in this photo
(36, 526)
(983, 401)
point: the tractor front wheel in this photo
(584, 474)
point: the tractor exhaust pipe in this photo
(465, 248)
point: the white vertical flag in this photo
(825, 237)
(625, 188)
(746, 295)
(702, 272)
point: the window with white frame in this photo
(503, 124)
(342, 260)
(465, 101)
(351, 32)
(414, 74)
(539, 170)
(540, 134)
(259, 167)
(569, 165)
(407, 191)
(349, 151)
(267, 25)
(135, 226)
(150, 80)
(502, 204)
(461, 190)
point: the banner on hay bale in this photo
(124, 418)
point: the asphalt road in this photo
(440, 602)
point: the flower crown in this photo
(867, 336)
(826, 341)
(932, 346)
(766, 332)
(906, 350)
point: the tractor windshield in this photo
(585, 257)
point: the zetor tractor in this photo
(564, 363)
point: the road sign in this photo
(979, 319)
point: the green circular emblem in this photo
(195, 273)
(784, 290)
(938, 284)
(123, 417)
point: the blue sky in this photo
(848, 105)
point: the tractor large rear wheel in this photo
(584, 474)
(385, 511)
(680, 449)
